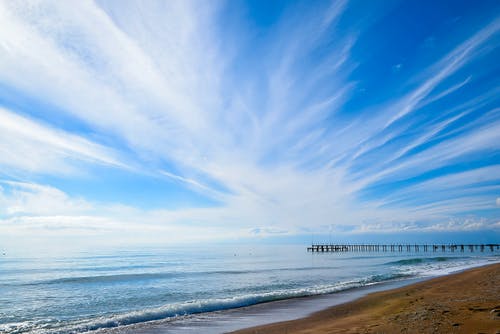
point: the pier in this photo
(409, 248)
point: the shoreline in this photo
(258, 316)
(234, 319)
(463, 302)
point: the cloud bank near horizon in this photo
(231, 119)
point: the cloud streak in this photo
(273, 124)
(30, 146)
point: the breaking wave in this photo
(176, 310)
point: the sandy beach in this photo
(465, 302)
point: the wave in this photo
(176, 310)
(106, 278)
(237, 272)
(409, 262)
(125, 277)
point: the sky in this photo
(212, 121)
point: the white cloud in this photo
(447, 66)
(32, 210)
(396, 68)
(32, 199)
(373, 133)
(448, 186)
(166, 90)
(485, 138)
(31, 146)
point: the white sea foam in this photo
(440, 265)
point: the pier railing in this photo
(403, 248)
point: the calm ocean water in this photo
(79, 292)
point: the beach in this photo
(210, 291)
(464, 302)
(190, 166)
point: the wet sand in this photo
(465, 302)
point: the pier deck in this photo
(336, 248)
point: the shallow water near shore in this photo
(186, 289)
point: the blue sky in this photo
(182, 121)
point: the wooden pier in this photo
(409, 248)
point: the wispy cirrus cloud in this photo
(30, 146)
(273, 124)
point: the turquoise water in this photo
(79, 292)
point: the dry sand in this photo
(466, 302)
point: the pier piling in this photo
(339, 248)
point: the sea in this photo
(211, 289)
